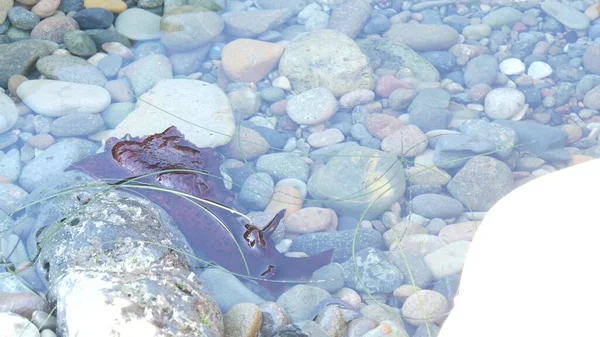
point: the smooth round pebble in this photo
(504, 103)
(425, 305)
(325, 138)
(312, 107)
(539, 70)
(512, 66)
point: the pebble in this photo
(356, 97)
(41, 141)
(421, 244)
(436, 206)
(45, 8)
(539, 70)
(138, 24)
(481, 69)
(5, 6)
(481, 183)
(110, 65)
(326, 58)
(257, 190)
(43, 320)
(120, 90)
(115, 6)
(186, 28)
(311, 220)
(246, 60)
(312, 107)
(350, 17)
(42, 96)
(54, 160)
(372, 271)
(246, 144)
(504, 103)
(21, 18)
(459, 231)
(592, 98)
(300, 300)
(226, 289)
(382, 125)
(79, 43)
(401, 98)
(54, 28)
(77, 124)
(408, 141)
(283, 165)
(325, 138)
(145, 73)
(425, 305)
(512, 66)
(8, 113)
(285, 197)
(503, 16)
(94, 18)
(423, 37)
(565, 14)
(413, 267)
(10, 165)
(69, 68)
(243, 320)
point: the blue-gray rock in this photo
(372, 271)
(186, 63)
(329, 277)
(283, 165)
(54, 160)
(503, 16)
(481, 69)
(15, 34)
(443, 61)
(340, 242)
(536, 138)
(564, 92)
(79, 43)
(436, 206)
(430, 99)
(300, 300)
(226, 289)
(276, 139)
(350, 17)
(430, 118)
(77, 124)
(414, 190)
(377, 24)
(11, 197)
(22, 18)
(594, 32)
(533, 96)
(143, 74)
(10, 166)
(453, 151)
(67, 6)
(101, 36)
(8, 139)
(272, 94)
(448, 286)
(116, 113)
(20, 57)
(397, 56)
(4, 28)
(110, 65)
(504, 137)
(354, 181)
(257, 190)
(70, 69)
(556, 155)
(481, 183)
(149, 48)
(417, 268)
(521, 49)
(94, 18)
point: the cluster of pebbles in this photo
(408, 119)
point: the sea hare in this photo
(132, 157)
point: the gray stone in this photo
(94, 18)
(77, 124)
(430, 118)
(397, 56)
(143, 74)
(102, 36)
(504, 137)
(15, 325)
(70, 69)
(436, 206)
(253, 23)
(481, 183)
(453, 151)
(8, 113)
(481, 69)
(413, 267)
(79, 43)
(283, 165)
(359, 182)
(340, 242)
(186, 63)
(294, 5)
(110, 65)
(373, 272)
(565, 14)
(22, 18)
(534, 137)
(350, 17)
(186, 28)
(10, 166)
(428, 99)
(300, 300)
(326, 58)
(116, 113)
(19, 58)
(503, 16)
(227, 290)
(257, 190)
(54, 160)
(423, 37)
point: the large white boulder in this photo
(533, 264)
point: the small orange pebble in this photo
(115, 6)
(386, 328)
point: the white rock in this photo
(512, 66)
(58, 98)
(8, 113)
(504, 103)
(448, 260)
(538, 70)
(200, 110)
(312, 107)
(138, 24)
(13, 325)
(520, 249)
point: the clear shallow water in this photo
(406, 119)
